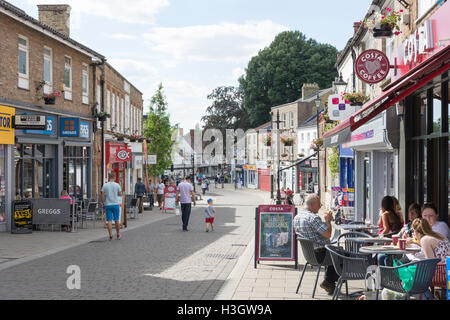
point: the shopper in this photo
(111, 193)
(185, 195)
(151, 194)
(204, 187)
(160, 193)
(139, 192)
(210, 212)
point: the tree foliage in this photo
(226, 110)
(158, 132)
(276, 75)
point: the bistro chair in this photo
(348, 265)
(132, 207)
(336, 235)
(350, 245)
(440, 278)
(423, 277)
(308, 247)
(89, 213)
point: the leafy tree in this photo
(226, 110)
(158, 132)
(276, 75)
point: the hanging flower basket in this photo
(317, 144)
(50, 98)
(267, 140)
(102, 116)
(301, 155)
(140, 139)
(385, 31)
(284, 155)
(384, 24)
(356, 98)
(288, 142)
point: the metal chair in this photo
(308, 247)
(336, 235)
(423, 277)
(348, 265)
(89, 213)
(132, 207)
(440, 278)
(350, 245)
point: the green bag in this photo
(406, 274)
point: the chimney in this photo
(56, 16)
(356, 26)
(308, 89)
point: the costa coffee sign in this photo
(124, 155)
(372, 66)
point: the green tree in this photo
(158, 132)
(276, 75)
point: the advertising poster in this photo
(275, 236)
(170, 196)
(22, 219)
(448, 277)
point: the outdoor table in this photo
(375, 240)
(354, 227)
(389, 250)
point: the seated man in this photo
(308, 225)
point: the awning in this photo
(397, 91)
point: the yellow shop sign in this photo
(6, 125)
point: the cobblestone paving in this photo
(155, 261)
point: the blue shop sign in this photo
(345, 152)
(84, 129)
(70, 127)
(48, 130)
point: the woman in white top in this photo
(433, 244)
(429, 213)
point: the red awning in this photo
(395, 92)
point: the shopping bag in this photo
(177, 211)
(406, 274)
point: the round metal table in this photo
(354, 227)
(375, 240)
(390, 250)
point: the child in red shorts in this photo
(210, 212)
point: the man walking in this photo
(185, 195)
(308, 225)
(151, 194)
(160, 193)
(111, 193)
(139, 192)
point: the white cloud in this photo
(122, 36)
(237, 72)
(137, 11)
(224, 42)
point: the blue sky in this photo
(194, 46)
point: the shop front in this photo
(251, 176)
(307, 176)
(117, 156)
(136, 165)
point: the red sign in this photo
(170, 195)
(372, 66)
(123, 155)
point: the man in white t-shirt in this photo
(159, 190)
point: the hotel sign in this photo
(6, 125)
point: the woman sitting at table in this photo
(429, 213)
(414, 212)
(390, 222)
(398, 209)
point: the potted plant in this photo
(140, 139)
(301, 155)
(317, 144)
(267, 140)
(50, 98)
(324, 116)
(287, 141)
(356, 98)
(102, 116)
(383, 25)
(284, 155)
(119, 136)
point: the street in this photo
(155, 261)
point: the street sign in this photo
(151, 159)
(30, 122)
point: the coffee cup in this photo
(402, 244)
(395, 240)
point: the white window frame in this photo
(291, 119)
(23, 79)
(120, 115)
(113, 111)
(284, 121)
(85, 73)
(48, 84)
(424, 6)
(97, 98)
(68, 89)
(108, 109)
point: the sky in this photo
(195, 46)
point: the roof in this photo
(311, 121)
(22, 15)
(266, 126)
(310, 98)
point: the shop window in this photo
(2, 183)
(75, 169)
(108, 109)
(23, 60)
(437, 109)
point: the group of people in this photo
(423, 228)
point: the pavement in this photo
(156, 260)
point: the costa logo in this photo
(171, 189)
(372, 66)
(124, 155)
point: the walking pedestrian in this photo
(222, 180)
(185, 195)
(160, 193)
(139, 192)
(151, 194)
(215, 182)
(210, 211)
(204, 186)
(111, 191)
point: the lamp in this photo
(340, 84)
(317, 101)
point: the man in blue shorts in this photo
(111, 193)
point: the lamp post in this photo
(317, 102)
(340, 84)
(278, 201)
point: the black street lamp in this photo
(318, 102)
(340, 84)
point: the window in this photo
(291, 119)
(108, 109)
(85, 84)
(308, 137)
(302, 138)
(48, 73)
(68, 78)
(23, 63)
(424, 6)
(113, 112)
(284, 120)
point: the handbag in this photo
(406, 274)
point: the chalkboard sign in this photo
(274, 235)
(170, 196)
(22, 217)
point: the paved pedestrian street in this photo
(154, 261)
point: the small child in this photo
(209, 212)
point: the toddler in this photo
(209, 212)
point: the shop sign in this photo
(6, 125)
(84, 129)
(123, 155)
(261, 164)
(338, 108)
(51, 211)
(22, 217)
(30, 122)
(250, 167)
(170, 196)
(372, 66)
(47, 130)
(70, 127)
(151, 158)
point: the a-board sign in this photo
(275, 237)
(22, 217)
(170, 196)
(51, 211)
(448, 277)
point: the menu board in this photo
(275, 238)
(22, 218)
(448, 277)
(170, 196)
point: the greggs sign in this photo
(123, 155)
(6, 125)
